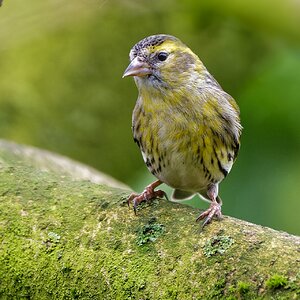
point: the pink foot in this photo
(147, 195)
(213, 210)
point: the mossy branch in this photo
(62, 238)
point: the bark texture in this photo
(64, 237)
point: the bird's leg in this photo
(215, 206)
(147, 195)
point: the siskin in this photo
(186, 126)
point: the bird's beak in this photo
(137, 68)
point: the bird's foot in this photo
(147, 195)
(213, 210)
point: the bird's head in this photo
(163, 62)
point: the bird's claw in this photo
(146, 196)
(130, 198)
(213, 210)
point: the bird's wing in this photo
(220, 132)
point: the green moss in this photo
(276, 282)
(66, 239)
(217, 245)
(149, 232)
(294, 284)
(241, 290)
(243, 287)
(218, 289)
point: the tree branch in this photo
(64, 237)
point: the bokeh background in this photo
(61, 64)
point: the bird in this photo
(187, 127)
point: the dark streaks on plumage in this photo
(137, 142)
(148, 163)
(228, 126)
(159, 169)
(236, 148)
(158, 152)
(153, 171)
(151, 143)
(201, 160)
(205, 170)
(225, 172)
(221, 168)
(198, 155)
(214, 133)
(137, 127)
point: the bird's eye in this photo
(162, 56)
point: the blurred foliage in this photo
(61, 88)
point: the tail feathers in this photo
(182, 195)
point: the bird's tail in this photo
(182, 195)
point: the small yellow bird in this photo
(187, 128)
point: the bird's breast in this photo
(182, 147)
(168, 143)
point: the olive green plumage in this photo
(187, 127)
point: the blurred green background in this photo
(61, 64)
